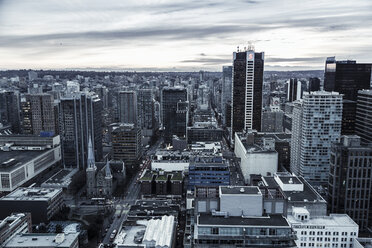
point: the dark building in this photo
(226, 93)
(208, 171)
(350, 177)
(228, 114)
(363, 123)
(13, 224)
(42, 203)
(9, 110)
(314, 84)
(346, 77)
(348, 117)
(126, 143)
(37, 111)
(294, 90)
(203, 133)
(169, 99)
(246, 110)
(80, 117)
(182, 118)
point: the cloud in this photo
(302, 60)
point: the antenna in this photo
(250, 46)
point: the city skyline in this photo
(180, 35)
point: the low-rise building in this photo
(23, 157)
(170, 161)
(161, 183)
(255, 159)
(44, 240)
(42, 203)
(14, 224)
(335, 230)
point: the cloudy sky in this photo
(181, 35)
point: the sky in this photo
(181, 35)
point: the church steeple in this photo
(91, 161)
(108, 174)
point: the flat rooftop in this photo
(335, 220)
(271, 220)
(21, 157)
(40, 240)
(31, 194)
(239, 190)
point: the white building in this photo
(317, 128)
(171, 161)
(335, 230)
(255, 159)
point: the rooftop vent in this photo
(241, 190)
(290, 181)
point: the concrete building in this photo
(335, 230)
(126, 143)
(363, 124)
(316, 125)
(23, 157)
(239, 220)
(170, 161)
(254, 158)
(37, 112)
(161, 183)
(349, 187)
(9, 110)
(44, 240)
(208, 171)
(42, 203)
(272, 120)
(14, 224)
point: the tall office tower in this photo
(226, 91)
(37, 112)
(314, 84)
(9, 110)
(363, 124)
(247, 84)
(319, 128)
(127, 107)
(80, 117)
(350, 177)
(126, 143)
(169, 99)
(146, 111)
(102, 93)
(272, 120)
(346, 77)
(294, 90)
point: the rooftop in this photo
(42, 240)
(32, 194)
(239, 190)
(271, 220)
(335, 220)
(21, 157)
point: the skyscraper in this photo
(127, 106)
(363, 124)
(247, 84)
(80, 117)
(146, 111)
(226, 91)
(313, 135)
(37, 112)
(9, 110)
(350, 177)
(347, 77)
(314, 84)
(170, 97)
(294, 91)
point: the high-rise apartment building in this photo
(363, 123)
(80, 117)
(247, 84)
(170, 97)
(350, 177)
(319, 127)
(9, 110)
(37, 112)
(226, 91)
(127, 107)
